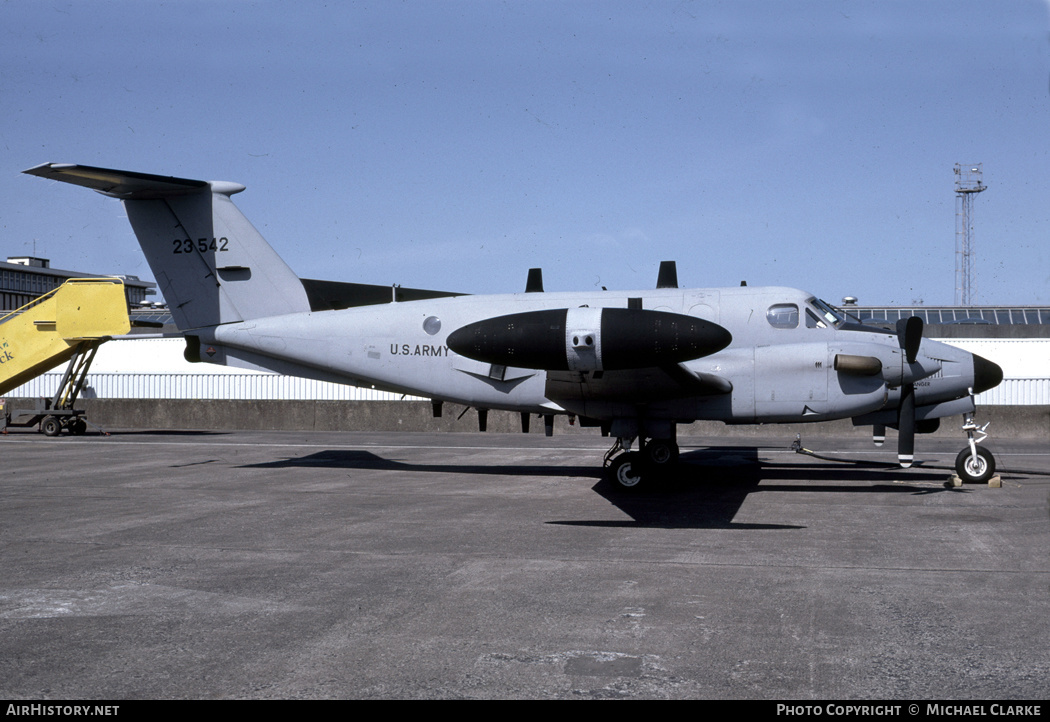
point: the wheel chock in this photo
(995, 482)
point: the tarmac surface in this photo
(384, 565)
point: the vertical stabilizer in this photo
(210, 263)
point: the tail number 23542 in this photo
(201, 245)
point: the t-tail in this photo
(211, 264)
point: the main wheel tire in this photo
(975, 470)
(51, 426)
(662, 452)
(626, 471)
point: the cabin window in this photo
(783, 315)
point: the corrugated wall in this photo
(248, 386)
(115, 375)
(1025, 364)
(1017, 392)
(1012, 392)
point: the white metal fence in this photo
(1017, 392)
(257, 386)
(253, 386)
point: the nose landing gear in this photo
(974, 464)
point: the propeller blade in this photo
(906, 426)
(909, 334)
(878, 434)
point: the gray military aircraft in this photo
(635, 363)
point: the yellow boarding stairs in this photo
(67, 324)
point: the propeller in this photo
(906, 426)
(909, 335)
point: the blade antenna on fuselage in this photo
(668, 275)
(534, 283)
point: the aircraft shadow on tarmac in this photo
(170, 432)
(355, 459)
(705, 492)
(711, 484)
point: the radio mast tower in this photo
(967, 185)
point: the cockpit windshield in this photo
(821, 315)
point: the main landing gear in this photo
(630, 470)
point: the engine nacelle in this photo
(589, 339)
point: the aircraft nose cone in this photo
(986, 374)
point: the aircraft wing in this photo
(654, 383)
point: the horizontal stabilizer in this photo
(330, 295)
(125, 184)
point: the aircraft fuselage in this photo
(780, 363)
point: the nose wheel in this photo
(974, 467)
(975, 464)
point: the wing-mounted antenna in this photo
(668, 275)
(534, 283)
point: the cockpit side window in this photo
(820, 314)
(783, 315)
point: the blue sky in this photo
(456, 144)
